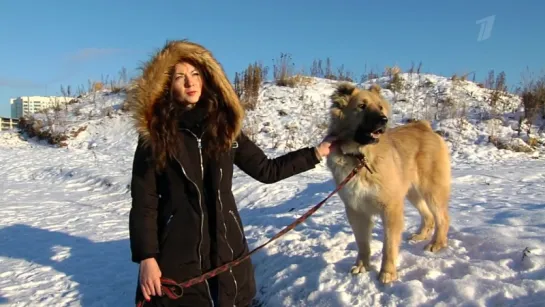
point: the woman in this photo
(184, 220)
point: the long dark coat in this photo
(185, 214)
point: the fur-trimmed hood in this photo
(150, 92)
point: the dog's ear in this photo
(375, 88)
(341, 95)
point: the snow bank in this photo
(64, 222)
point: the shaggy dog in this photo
(409, 161)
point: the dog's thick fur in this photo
(409, 161)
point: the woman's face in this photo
(186, 83)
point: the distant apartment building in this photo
(26, 105)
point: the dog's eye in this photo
(362, 105)
(380, 107)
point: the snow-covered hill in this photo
(291, 117)
(64, 222)
(287, 118)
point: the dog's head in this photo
(358, 115)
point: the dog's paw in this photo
(417, 237)
(355, 270)
(435, 246)
(387, 277)
(358, 269)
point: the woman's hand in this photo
(324, 148)
(150, 278)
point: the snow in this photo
(64, 223)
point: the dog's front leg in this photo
(392, 220)
(362, 226)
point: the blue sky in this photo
(45, 45)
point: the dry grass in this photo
(515, 144)
(414, 69)
(284, 73)
(319, 71)
(499, 90)
(283, 70)
(34, 127)
(97, 86)
(248, 83)
(301, 80)
(397, 83)
(532, 95)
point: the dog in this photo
(409, 161)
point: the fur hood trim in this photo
(153, 86)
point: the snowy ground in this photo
(64, 227)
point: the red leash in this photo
(176, 290)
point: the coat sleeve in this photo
(253, 161)
(143, 213)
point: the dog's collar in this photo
(362, 158)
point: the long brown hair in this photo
(167, 112)
(153, 110)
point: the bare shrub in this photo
(119, 84)
(328, 74)
(414, 69)
(316, 69)
(49, 130)
(391, 71)
(66, 93)
(248, 83)
(115, 87)
(368, 76)
(532, 95)
(396, 84)
(283, 70)
(342, 74)
(80, 91)
(490, 80)
(499, 90)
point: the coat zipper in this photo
(236, 222)
(228, 245)
(200, 206)
(199, 145)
